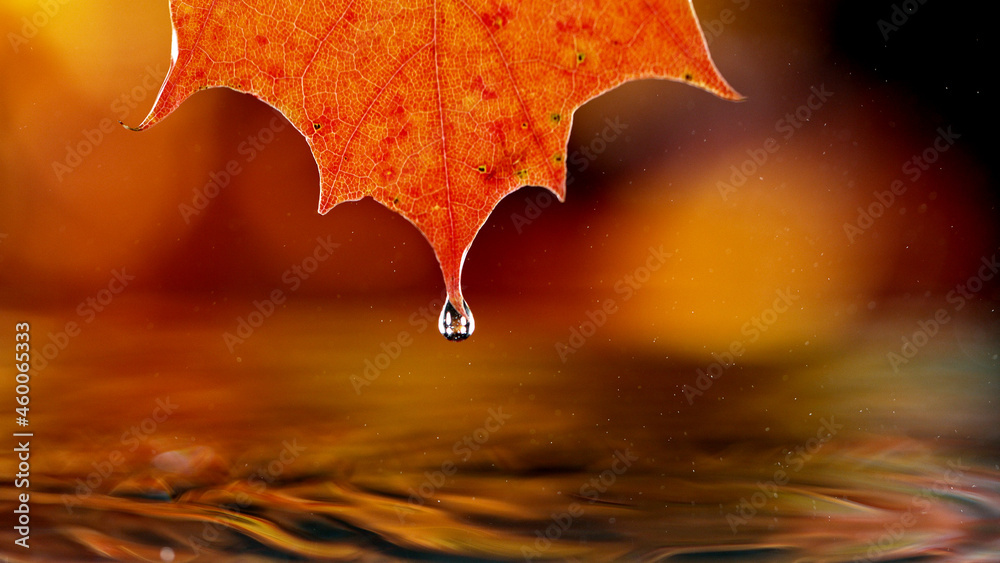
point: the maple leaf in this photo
(437, 109)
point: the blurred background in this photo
(763, 330)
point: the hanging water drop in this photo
(454, 325)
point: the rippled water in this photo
(153, 442)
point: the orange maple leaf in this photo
(435, 108)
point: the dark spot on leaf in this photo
(482, 169)
(395, 201)
(688, 77)
(524, 125)
(555, 117)
(316, 126)
(558, 157)
(580, 57)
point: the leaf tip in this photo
(730, 93)
(142, 126)
(714, 82)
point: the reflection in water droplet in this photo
(456, 326)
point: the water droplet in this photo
(456, 326)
